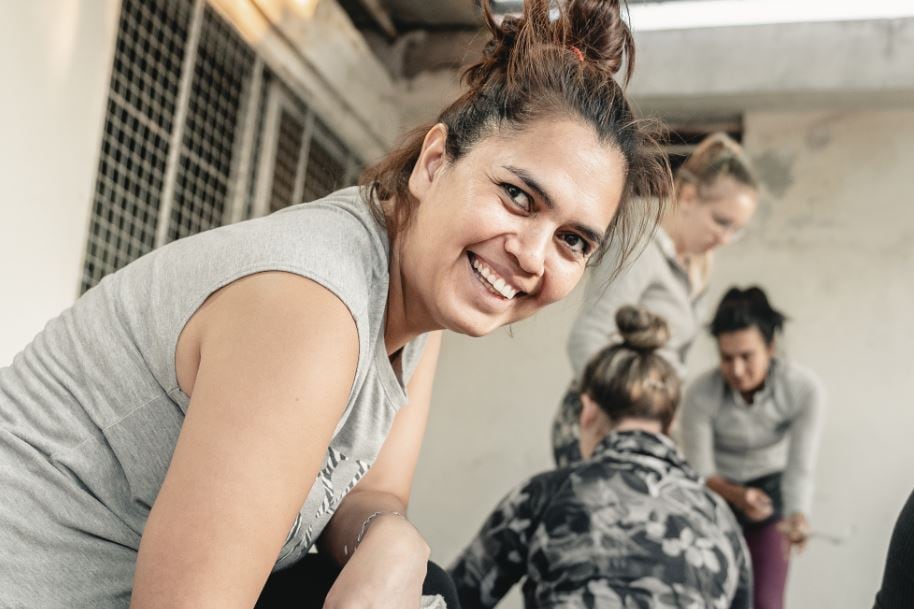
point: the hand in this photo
(755, 504)
(796, 529)
(386, 571)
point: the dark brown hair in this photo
(740, 309)
(717, 156)
(532, 68)
(630, 379)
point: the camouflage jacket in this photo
(632, 527)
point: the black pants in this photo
(897, 590)
(305, 585)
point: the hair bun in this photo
(598, 29)
(592, 32)
(641, 330)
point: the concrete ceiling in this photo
(449, 14)
(409, 15)
(412, 36)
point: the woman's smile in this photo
(492, 280)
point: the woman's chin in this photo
(474, 326)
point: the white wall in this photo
(55, 69)
(833, 243)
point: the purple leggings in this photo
(767, 547)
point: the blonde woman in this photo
(716, 194)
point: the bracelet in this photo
(364, 529)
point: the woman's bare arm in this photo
(389, 566)
(277, 358)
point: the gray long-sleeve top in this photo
(779, 432)
(654, 279)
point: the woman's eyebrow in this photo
(532, 184)
(594, 235)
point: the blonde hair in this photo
(717, 156)
(630, 379)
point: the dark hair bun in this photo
(546, 34)
(641, 330)
(745, 308)
(602, 35)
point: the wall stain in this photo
(775, 170)
(818, 137)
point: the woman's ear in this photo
(432, 158)
(687, 196)
(590, 412)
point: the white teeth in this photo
(494, 280)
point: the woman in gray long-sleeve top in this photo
(716, 196)
(751, 427)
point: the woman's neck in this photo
(401, 314)
(673, 228)
(631, 424)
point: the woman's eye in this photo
(724, 223)
(519, 197)
(576, 243)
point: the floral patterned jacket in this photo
(633, 527)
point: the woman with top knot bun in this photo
(751, 426)
(714, 198)
(208, 414)
(630, 525)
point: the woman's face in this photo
(744, 358)
(715, 215)
(508, 228)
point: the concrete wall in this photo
(833, 243)
(854, 64)
(57, 60)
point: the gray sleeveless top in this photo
(90, 411)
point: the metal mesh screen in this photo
(327, 164)
(221, 73)
(288, 149)
(186, 123)
(141, 106)
(258, 144)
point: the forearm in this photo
(731, 492)
(343, 529)
(797, 491)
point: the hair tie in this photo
(578, 53)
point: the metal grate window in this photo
(135, 142)
(198, 133)
(289, 144)
(327, 164)
(222, 72)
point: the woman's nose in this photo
(529, 249)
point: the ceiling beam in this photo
(381, 16)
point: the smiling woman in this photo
(212, 411)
